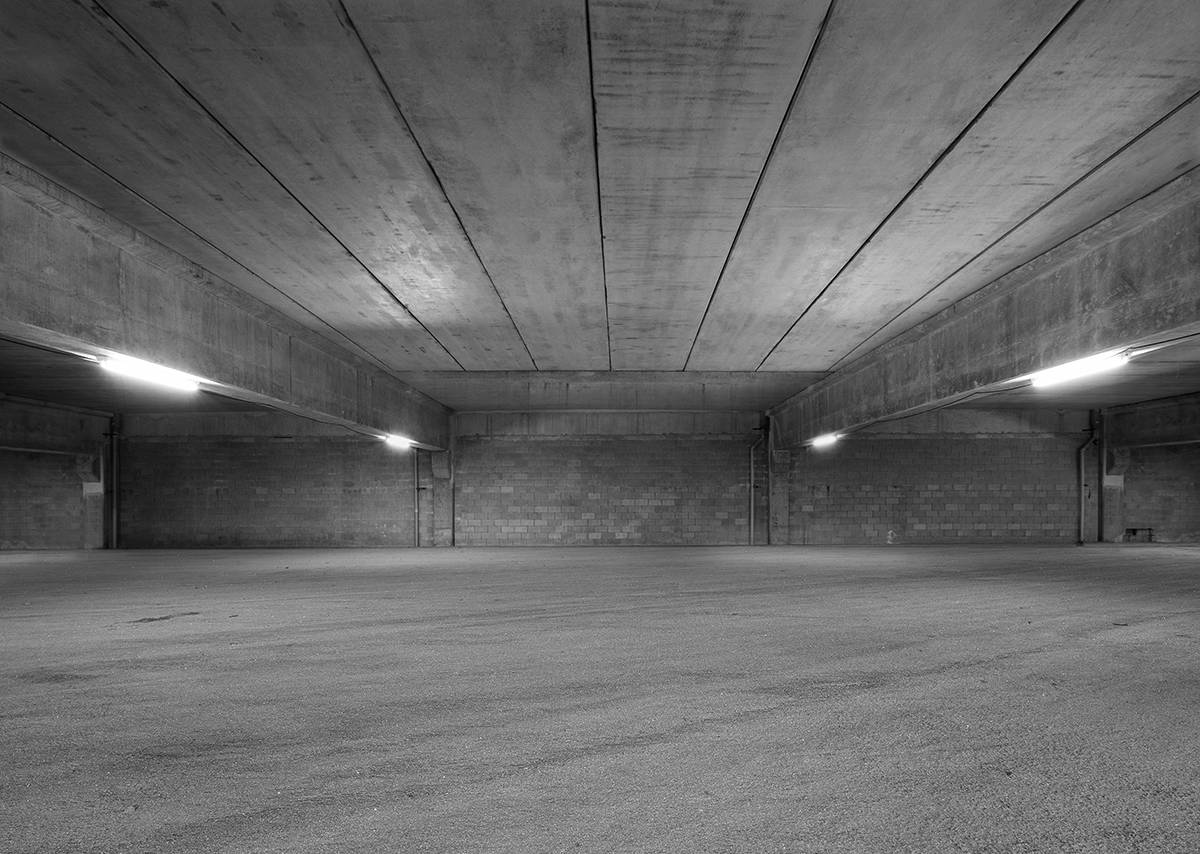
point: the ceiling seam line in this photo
(1187, 102)
(436, 178)
(212, 116)
(787, 114)
(1050, 249)
(358, 348)
(927, 173)
(587, 20)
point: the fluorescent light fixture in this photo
(149, 372)
(1079, 368)
(398, 441)
(825, 440)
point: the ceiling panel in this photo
(76, 75)
(1112, 71)
(539, 192)
(1163, 153)
(499, 97)
(688, 101)
(294, 84)
(889, 88)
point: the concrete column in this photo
(781, 471)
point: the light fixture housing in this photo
(1079, 368)
(128, 366)
(400, 442)
(825, 440)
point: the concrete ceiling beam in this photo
(74, 279)
(1130, 281)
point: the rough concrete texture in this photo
(74, 279)
(791, 699)
(1130, 281)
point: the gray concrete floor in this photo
(682, 700)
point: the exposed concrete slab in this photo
(31, 147)
(1067, 112)
(501, 96)
(80, 78)
(501, 104)
(343, 149)
(889, 88)
(1133, 280)
(1147, 164)
(73, 279)
(688, 101)
(667, 700)
(527, 390)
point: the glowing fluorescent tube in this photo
(398, 441)
(149, 372)
(825, 440)
(1078, 369)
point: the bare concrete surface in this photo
(668, 700)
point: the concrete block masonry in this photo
(229, 480)
(602, 491)
(893, 489)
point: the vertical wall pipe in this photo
(113, 484)
(416, 499)
(1082, 471)
(1102, 453)
(750, 485)
(770, 476)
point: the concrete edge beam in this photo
(1131, 280)
(611, 423)
(75, 279)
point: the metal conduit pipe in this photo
(750, 485)
(114, 488)
(416, 499)
(1091, 440)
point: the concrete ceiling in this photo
(504, 201)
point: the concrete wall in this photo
(271, 480)
(597, 478)
(602, 491)
(1152, 483)
(606, 478)
(1161, 495)
(956, 477)
(51, 492)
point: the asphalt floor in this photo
(799, 699)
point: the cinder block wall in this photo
(51, 494)
(250, 481)
(630, 479)
(924, 482)
(601, 491)
(936, 489)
